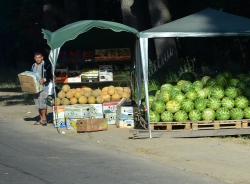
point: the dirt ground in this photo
(224, 158)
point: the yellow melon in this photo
(105, 89)
(61, 94)
(95, 93)
(91, 99)
(87, 93)
(69, 94)
(99, 90)
(73, 91)
(73, 101)
(111, 90)
(106, 98)
(57, 101)
(127, 89)
(66, 88)
(82, 91)
(115, 97)
(65, 101)
(126, 95)
(82, 100)
(77, 94)
(78, 89)
(119, 89)
(99, 99)
(87, 88)
(120, 93)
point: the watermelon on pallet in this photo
(192, 95)
(231, 92)
(158, 107)
(217, 92)
(187, 105)
(181, 116)
(227, 102)
(236, 113)
(167, 116)
(208, 114)
(214, 103)
(222, 114)
(154, 117)
(194, 115)
(241, 102)
(173, 106)
(200, 104)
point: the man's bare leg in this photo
(43, 114)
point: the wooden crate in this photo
(91, 125)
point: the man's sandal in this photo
(38, 123)
(44, 122)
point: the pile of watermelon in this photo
(223, 97)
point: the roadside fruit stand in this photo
(93, 66)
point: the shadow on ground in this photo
(36, 118)
(15, 89)
(16, 99)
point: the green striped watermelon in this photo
(181, 116)
(173, 106)
(187, 105)
(237, 113)
(222, 114)
(231, 92)
(200, 104)
(194, 115)
(167, 116)
(241, 102)
(214, 103)
(217, 92)
(208, 114)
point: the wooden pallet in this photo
(245, 124)
(171, 126)
(216, 125)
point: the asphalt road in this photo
(32, 154)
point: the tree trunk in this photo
(159, 15)
(135, 14)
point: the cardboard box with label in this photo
(111, 118)
(110, 107)
(125, 112)
(79, 111)
(105, 73)
(98, 112)
(71, 123)
(59, 123)
(74, 76)
(30, 82)
(128, 123)
(58, 112)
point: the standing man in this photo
(45, 72)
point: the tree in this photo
(159, 15)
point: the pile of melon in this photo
(86, 95)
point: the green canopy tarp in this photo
(71, 31)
